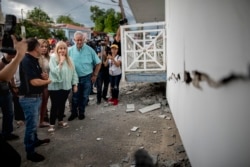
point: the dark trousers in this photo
(58, 100)
(102, 82)
(114, 83)
(18, 111)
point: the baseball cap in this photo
(114, 46)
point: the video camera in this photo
(123, 21)
(9, 29)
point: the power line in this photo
(108, 3)
(103, 3)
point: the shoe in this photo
(98, 102)
(72, 117)
(44, 124)
(81, 116)
(11, 137)
(62, 124)
(94, 90)
(115, 102)
(51, 129)
(42, 142)
(35, 157)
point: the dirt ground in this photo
(104, 138)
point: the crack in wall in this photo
(199, 77)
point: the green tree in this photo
(38, 15)
(67, 20)
(105, 20)
(38, 24)
(59, 34)
(34, 29)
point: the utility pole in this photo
(122, 9)
(22, 14)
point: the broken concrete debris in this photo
(179, 149)
(134, 129)
(162, 116)
(168, 118)
(99, 138)
(115, 165)
(150, 108)
(130, 108)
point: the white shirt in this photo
(113, 69)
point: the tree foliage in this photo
(38, 15)
(38, 24)
(105, 20)
(66, 19)
(59, 34)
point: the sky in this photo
(79, 10)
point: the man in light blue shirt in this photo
(87, 65)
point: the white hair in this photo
(79, 33)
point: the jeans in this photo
(58, 101)
(114, 83)
(7, 110)
(80, 98)
(31, 109)
(102, 82)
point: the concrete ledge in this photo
(160, 76)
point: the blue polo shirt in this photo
(84, 59)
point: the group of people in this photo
(38, 75)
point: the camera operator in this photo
(102, 81)
(117, 36)
(8, 67)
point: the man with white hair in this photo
(87, 65)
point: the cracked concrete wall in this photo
(210, 40)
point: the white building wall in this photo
(213, 38)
